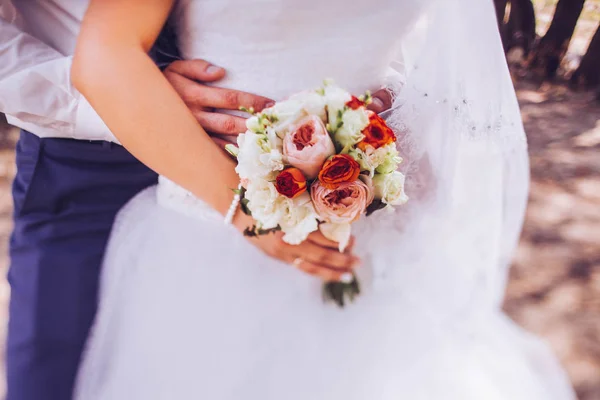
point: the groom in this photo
(72, 178)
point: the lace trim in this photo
(495, 127)
(172, 196)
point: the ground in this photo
(555, 282)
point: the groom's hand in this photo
(382, 101)
(189, 78)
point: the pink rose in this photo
(308, 145)
(341, 205)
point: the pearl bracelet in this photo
(235, 203)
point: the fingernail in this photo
(377, 103)
(269, 104)
(213, 69)
(347, 278)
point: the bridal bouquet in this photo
(318, 160)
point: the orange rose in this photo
(355, 103)
(291, 183)
(377, 134)
(339, 169)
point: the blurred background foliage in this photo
(552, 39)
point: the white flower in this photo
(299, 219)
(275, 142)
(312, 103)
(339, 233)
(382, 160)
(288, 112)
(265, 203)
(363, 160)
(386, 158)
(336, 99)
(390, 188)
(253, 124)
(353, 123)
(347, 124)
(273, 160)
(256, 158)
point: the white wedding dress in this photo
(191, 310)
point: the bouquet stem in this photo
(341, 292)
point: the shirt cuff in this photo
(89, 125)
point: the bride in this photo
(192, 309)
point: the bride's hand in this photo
(316, 256)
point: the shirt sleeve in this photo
(35, 87)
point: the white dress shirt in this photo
(37, 40)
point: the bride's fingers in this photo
(222, 124)
(323, 272)
(320, 239)
(350, 247)
(328, 257)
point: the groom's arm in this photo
(35, 90)
(36, 93)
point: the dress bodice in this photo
(276, 48)
(279, 47)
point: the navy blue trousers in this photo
(66, 195)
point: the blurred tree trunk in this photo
(553, 46)
(588, 73)
(500, 10)
(519, 31)
(500, 14)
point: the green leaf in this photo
(248, 110)
(268, 231)
(340, 292)
(243, 200)
(255, 231)
(376, 205)
(244, 207)
(232, 149)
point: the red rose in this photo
(355, 103)
(377, 134)
(291, 183)
(337, 170)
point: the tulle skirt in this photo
(190, 309)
